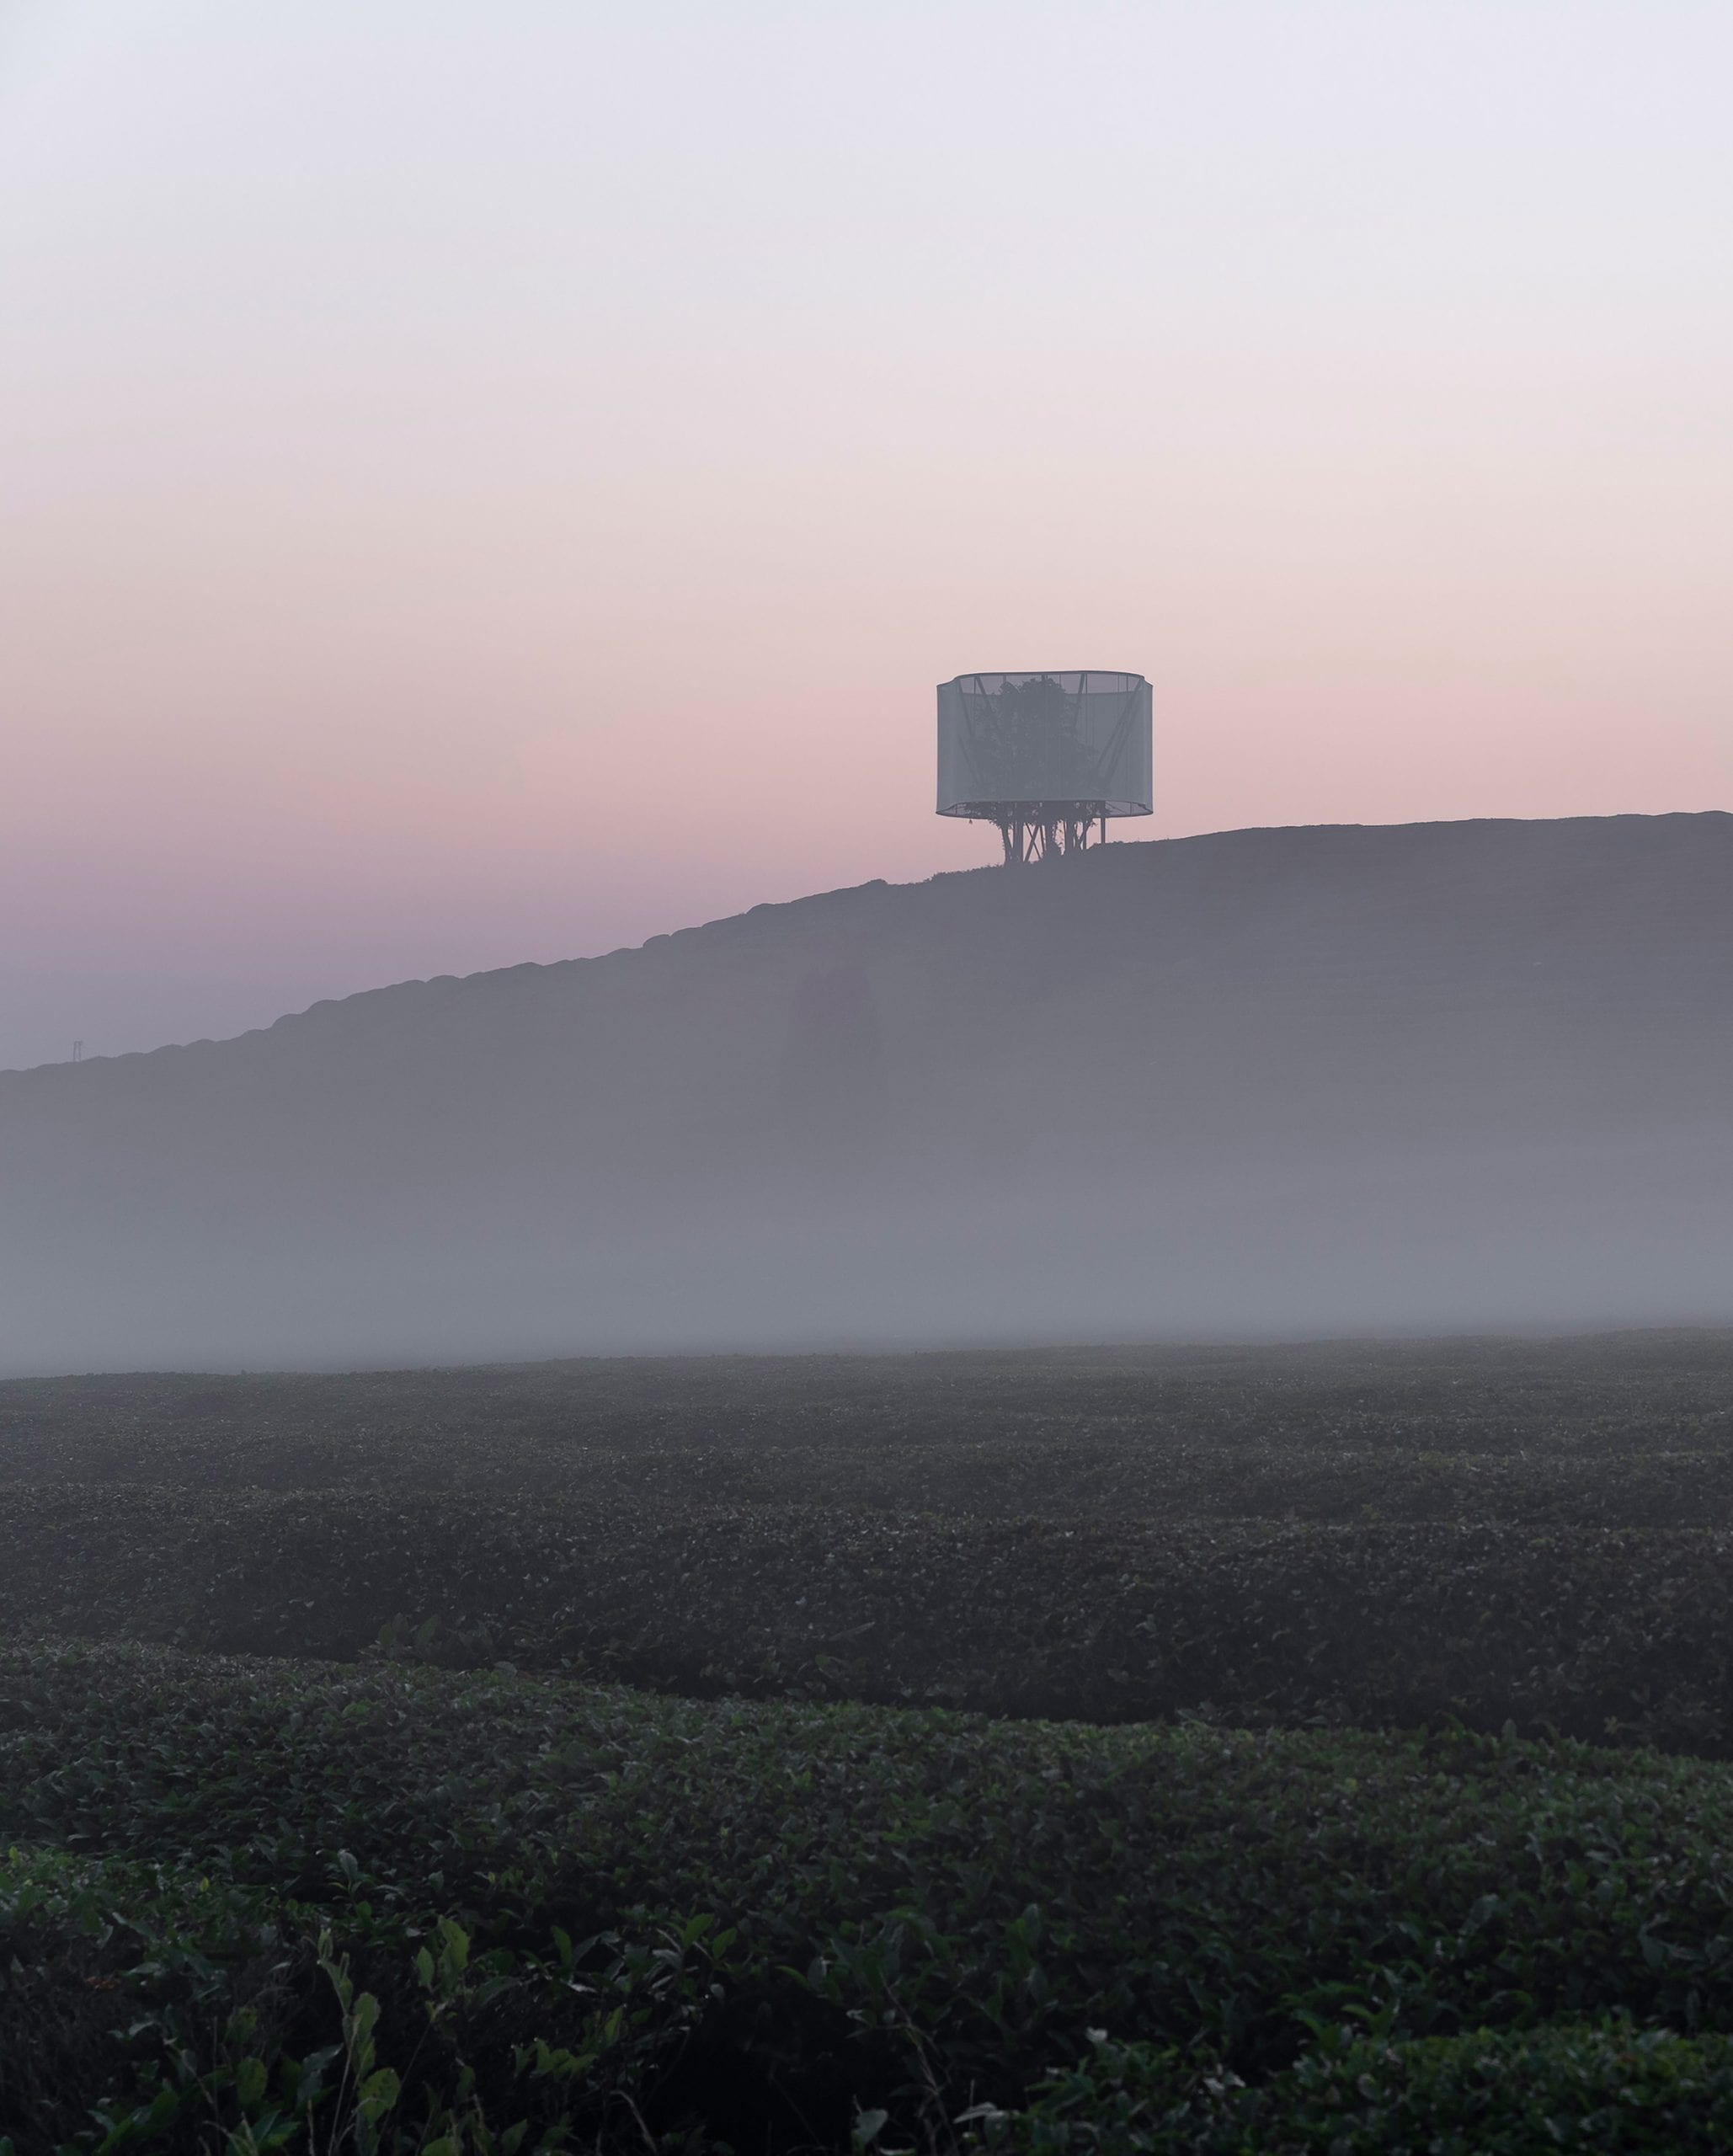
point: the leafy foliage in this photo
(1614, 1432)
(1613, 1636)
(716, 1910)
(784, 1894)
(1601, 2086)
(147, 2008)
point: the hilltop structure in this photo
(1046, 757)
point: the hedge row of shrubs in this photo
(148, 2009)
(779, 1920)
(1604, 2087)
(1601, 1431)
(1611, 1636)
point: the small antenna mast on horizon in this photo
(77, 1051)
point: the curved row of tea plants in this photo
(1630, 1429)
(147, 2010)
(743, 1916)
(1601, 2087)
(1609, 1636)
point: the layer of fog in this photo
(1433, 1078)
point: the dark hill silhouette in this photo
(1338, 1077)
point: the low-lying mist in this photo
(1340, 1080)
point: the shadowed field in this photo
(1532, 1533)
(579, 1754)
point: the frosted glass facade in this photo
(1054, 739)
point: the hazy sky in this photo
(491, 482)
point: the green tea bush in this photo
(785, 1895)
(919, 1912)
(144, 2009)
(1618, 1431)
(1612, 1636)
(1603, 2087)
(101, 1958)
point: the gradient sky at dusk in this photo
(481, 482)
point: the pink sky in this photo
(480, 484)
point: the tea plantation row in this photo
(1613, 1431)
(1611, 1636)
(428, 1907)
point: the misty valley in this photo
(1317, 1748)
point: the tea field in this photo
(1166, 1750)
